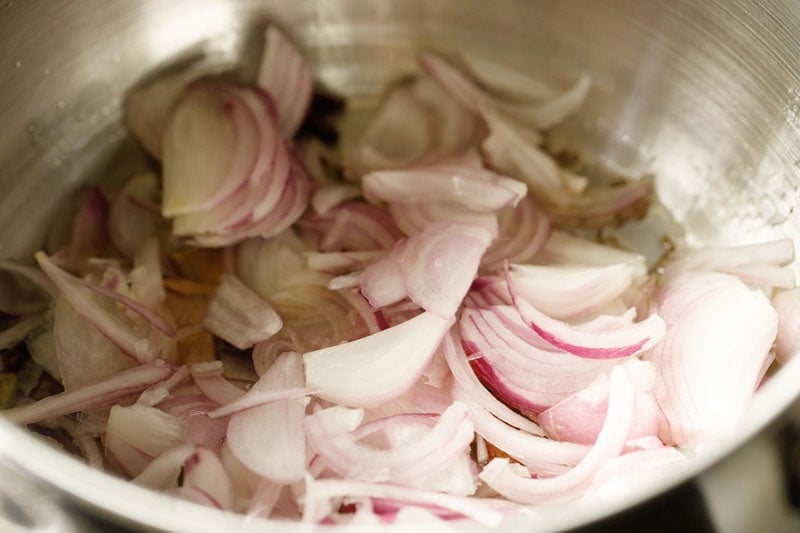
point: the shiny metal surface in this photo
(706, 95)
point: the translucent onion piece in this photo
(285, 75)
(89, 234)
(146, 429)
(756, 264)
(474, 188)
(405, 464)
(565, 292)
(83, 355)
(500, 475)
(329, 196)
(165, 470)
(382, 282)
(468, 382)
(146, 278)
(626, 475)
(111, 325)
(438, 265)
(787, 342)
(565, 249)
(413, 218)
(203, 472)
(604, 206)
(539, 454)
(704, 392)
(134, 216)
(519, 367)
(353, 226)
(99, 394)
(608, 344)
(524, 230)
(377, 368)
(468, 93)
(416, 123)
(318, 493)
(240, 316)
(149, 106)
(210, 147)
(579, 418)
(269, 439)
(336, 262)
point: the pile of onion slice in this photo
(424, 343)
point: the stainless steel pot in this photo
(706, 95)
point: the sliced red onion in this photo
(610, 344)
(787, 342)
(99, 394)
(341, 261)
(146, 278)
(382, 281)
(193, 407)
(204, 472)
(157, 393)
(269, 266)
(318, 493)
(78, 293)
(218, 389)
(579, 418)
(438, 265)
(468, 93)
(238, 315)
(258, 396)
(149, 106)
(474, 188)
(604, 206)
(468, 382)
(400, 134)
(416, 123)
(76, 365)
(566, 292)
(147, 430)
(89, 235)
(709, 317)
(622, 477)
(519, 367)
(756, 264)
(563, 248)
(269, 439)
(512, 150)
(329, 196)
(283, 73)
(354, 226)
(131, 221)
(377, 368)
(539, 454)
(210, 147)
(413, 218)
(155, 320)
(405, 464)
(502, 477)
(165, 470)
(524, 230)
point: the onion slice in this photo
(378, 368)
(500, 475)
(238, 315)
(98, 394)
(269, 439)
(621, 342)
(284, 74)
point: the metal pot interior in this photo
(705, 95)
